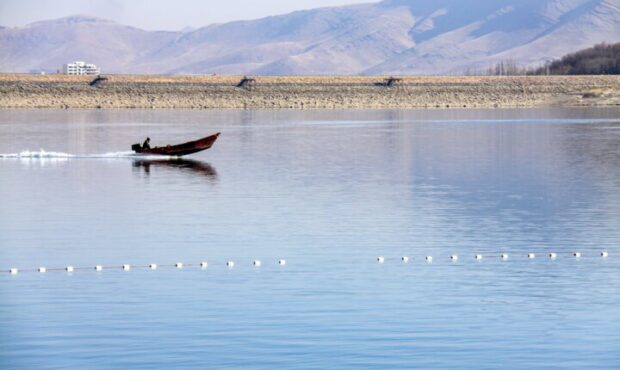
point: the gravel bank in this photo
(120, 91)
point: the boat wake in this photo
(42, 154)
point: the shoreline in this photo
(306, 92)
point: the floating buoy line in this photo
(502, 256)
(127, 267)
(282, 262)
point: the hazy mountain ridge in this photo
(390, 37)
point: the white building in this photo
(80, 68)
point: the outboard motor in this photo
(136, 148)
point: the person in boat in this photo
(146, 144)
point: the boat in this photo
(178, 150)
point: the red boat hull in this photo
(180, 150)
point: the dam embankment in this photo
(305, 92)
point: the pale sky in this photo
(156, 14)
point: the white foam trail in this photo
(42, 154)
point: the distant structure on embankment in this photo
(80, 68)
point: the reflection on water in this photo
(188, 166)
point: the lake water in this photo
(329, 191)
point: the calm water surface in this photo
(328, 191)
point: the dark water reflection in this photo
(171, 166)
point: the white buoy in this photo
(204, 264)
(178, 265)
(504, 256)
(230, 263)
(405, 259)
(98, 268)
(13, 271)
(604, 254)
(577, 254)
(153, 266)
(126, 267)
(531, 255)
(257, 263)
(42, 269)
(553, 255)
(69, 268)
(381, 259)
(282, 262)
(429, 258)
(454, 257)
(478, 257)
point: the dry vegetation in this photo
(141, 91)
(602, 59)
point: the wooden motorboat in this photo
(178, 150)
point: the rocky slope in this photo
(360, 92)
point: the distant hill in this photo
(602, 59)
(49, 44)
(389, 37)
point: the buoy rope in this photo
(505, 256)
(257, 263)
(127, 267)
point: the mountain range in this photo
(388, 37)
